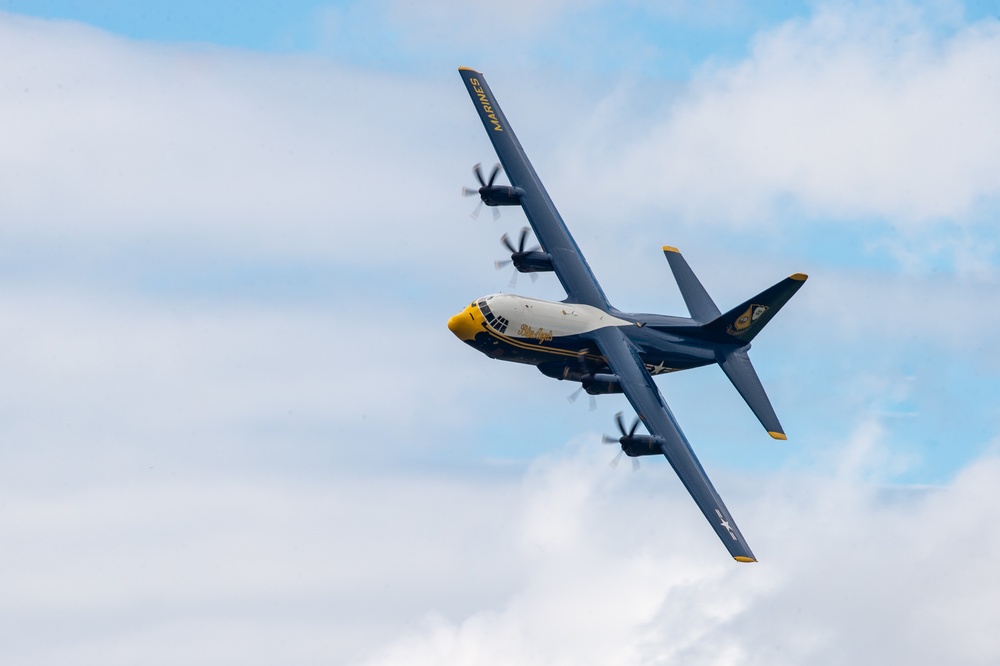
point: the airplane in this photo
(585, 339)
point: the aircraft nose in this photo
(463, 325)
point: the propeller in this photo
(514, 251)
(581, 358)
(576, 394)
(484, 184)
(623, 440)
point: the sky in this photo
(236, 429)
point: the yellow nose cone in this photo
(466, 323)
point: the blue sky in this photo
(236, 429)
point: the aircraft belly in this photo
(531, 351)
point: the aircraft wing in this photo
(570, 267)
(638, 386)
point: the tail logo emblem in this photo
(744, 321)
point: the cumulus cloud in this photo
(856, 111)
(567, 562)
(621, 572)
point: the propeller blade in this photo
(496, 213)
(614, 462)
(505, 239)
(493, 176)
(524, 237)
(635, 424)
(475, 212)
(592, 403)
(479, 174)
(502, 263)
(608, 439)
(468, 192)
(621, 424)
(635, 464)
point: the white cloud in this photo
(191, 479)
(848, 574)
(856, 111)
(571, 562)
(120, 142)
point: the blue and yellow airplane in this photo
(584, 339)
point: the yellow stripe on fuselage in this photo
(537, 346)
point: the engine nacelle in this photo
(501, 195)
(534, 261)
(640, 445)
(594, 383)
(601, 383)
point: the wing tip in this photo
(743, 558)
(671, 248)
(799, 277)
(777, 435)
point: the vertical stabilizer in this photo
(699, 303)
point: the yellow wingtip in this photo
(671, 248)
(801, 277)
(741, 558)
(777, 435)
(466, 69)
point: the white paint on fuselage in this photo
(534, 318)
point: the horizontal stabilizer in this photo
(746, 320)
(737, 366)
(699, 303)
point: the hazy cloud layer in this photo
(573, 562)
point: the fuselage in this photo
(553, 336)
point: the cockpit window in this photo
(498, 324)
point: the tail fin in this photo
(746, 320)
(733, 332)
(699, 303)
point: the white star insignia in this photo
(725, 523)
(658, 368)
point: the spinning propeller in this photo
(626, 440)
(634, 445)
(516, 254)
(581, 358)
(484, 190)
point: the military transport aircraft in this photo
(584, 339)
